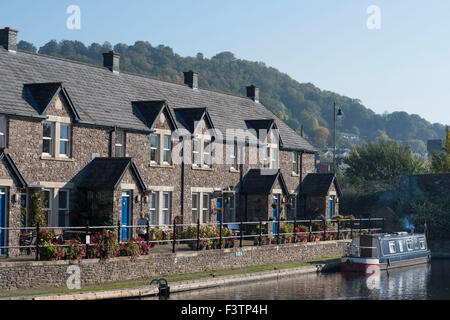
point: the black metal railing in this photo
(199, 236)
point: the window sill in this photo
(45, 157)
(156, 165)
(234, 170)
(295, 174)
(202, 168)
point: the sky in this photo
(395, 57)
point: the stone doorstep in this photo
(185, 285)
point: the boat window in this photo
(409, 244)
(422, 243)
(400, 245)
(392, 246)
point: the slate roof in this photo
(106, 173)
(40, 95)
(188, 117)
(9, 163)
(261, 181)
(318, 184)
(104, 98)
(149, 111)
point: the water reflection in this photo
(418, 283)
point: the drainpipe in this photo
(301, 197)
(182, 182)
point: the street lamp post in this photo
(339, 113)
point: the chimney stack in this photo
(8, 39)
(253, 93)
(191, 79)
(111, 61)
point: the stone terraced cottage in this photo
(83, 134)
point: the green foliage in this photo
(381, 162)
(207, 232)
(435, 213)
(440, 162)
(130, 248)
(37, 212)
(296, 103)
(320, 136)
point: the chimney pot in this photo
(8, 39)
(191, 79)
(253, 92)
(111, 61)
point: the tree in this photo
(285, 97)
(26, 46)
(37, 211)
(381, 161)
(320, 137)
(440, 162)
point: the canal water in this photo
(423, 282)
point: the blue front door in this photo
(2, 221)
(274, 212)
(331, 208)
(125, 215)
(219, 210)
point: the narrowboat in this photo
(373, 252)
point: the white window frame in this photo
(295, 168)
(422, 244)
(409, 244)
(392, 247)
(166, 210)
(55, 138)
(232, 207)
(153, 210)
(119, 143)
(65, 209)
(205, 208)
(157, 136)
(266, 157)
(234, 155)
(66, 140)
(400, 245)
(196, 208)
(207, 145)
(3, 132)
(50, 138)
(166, 150)
(274, 163)
(197, 158)
(49, 207)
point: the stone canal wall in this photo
(34, 274)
